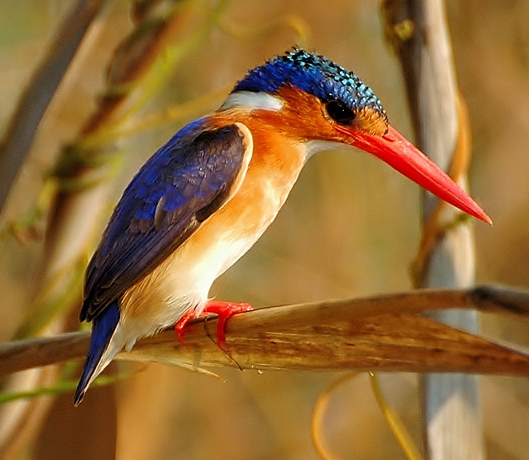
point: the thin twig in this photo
(18, 138)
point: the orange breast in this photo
(274, 168)
(164, 295)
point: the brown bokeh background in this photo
(349, 228)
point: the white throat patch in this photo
(316, 146)
(242, 99)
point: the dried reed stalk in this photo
(375, 333)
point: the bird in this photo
(206, 196)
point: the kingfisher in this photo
(205, 197)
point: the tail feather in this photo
(102, 332)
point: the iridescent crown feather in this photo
(313, 74)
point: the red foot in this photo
(179, 327)
(224, 310)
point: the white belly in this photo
(183, 280)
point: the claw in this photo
(224, 311)
(180, 326)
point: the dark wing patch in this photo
(180, 186)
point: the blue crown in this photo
(314, 74)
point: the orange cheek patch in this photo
(371, 121)
(304, 115)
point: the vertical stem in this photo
(417, 28)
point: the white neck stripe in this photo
(247, 99)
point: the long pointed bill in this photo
(395, 150)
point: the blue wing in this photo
(179, 187)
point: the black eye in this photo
(339, 112)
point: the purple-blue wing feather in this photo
(179, 187)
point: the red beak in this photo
(395, 150)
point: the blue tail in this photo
(104, 326)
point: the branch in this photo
(378, 333)
(18, 138)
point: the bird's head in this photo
(316, 101)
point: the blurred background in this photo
(349, 228)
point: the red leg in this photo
(224, 310)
